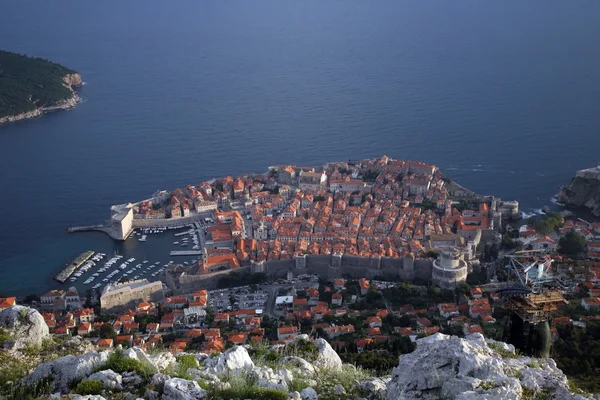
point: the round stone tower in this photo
(449, 269)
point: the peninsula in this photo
(30, 87)
(583, 191)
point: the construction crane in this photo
(532, 270)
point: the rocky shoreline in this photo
(72, 81)
(582, 192)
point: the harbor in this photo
(145, 254)
(63, 275)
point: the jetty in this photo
(63, 275)
(186, 253)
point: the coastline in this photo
(72, 81)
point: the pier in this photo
(109, 230)
(73, 265)
(184, 233)
(186, 253)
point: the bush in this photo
(184, 363)
(89, 387)
(119, 363)
(243, 386)
(250, 393)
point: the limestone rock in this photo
(463, 369)
(181, 389)
(158, 362)
(110, 379)
(301, 364)
(86, 397)
(373, 388)
(233, 360)
(26, 325)
(309, 394)
(201, 374)
(327, 357)
(295, 396)
(67, 369)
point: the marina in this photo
(63, 275)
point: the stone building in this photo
(128, 293)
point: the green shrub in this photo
(119, 363)
(297, 385)
(183, 364)
(501, 351)
(250, 393)
(89, 387)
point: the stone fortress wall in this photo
(330, 266)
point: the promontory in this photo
(31, 86)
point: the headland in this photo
(30, 87)
(583, 190)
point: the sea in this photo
(502, 96)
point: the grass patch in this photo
(119, 363)
(297, 385)
(250, 393)
(533, 364)
(529, 394)
(89, 387)
(184, 363)
(503, 352)
(575, 389)
(487, 385)
(4, 336)
(346, 376)
(243, 386)
(21, 391)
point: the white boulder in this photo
(110, 379)
(26, 325)
(181, 389)
(68, 368)
(464, 369)
(233, 360)
(309, 394)
(327, 357)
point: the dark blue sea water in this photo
(502, 95)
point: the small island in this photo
(30, 87)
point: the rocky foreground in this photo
(441, 367)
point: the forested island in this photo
(31, 86)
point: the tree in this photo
(572, 244)
(108, 332)
(30, 298)
(463, 288)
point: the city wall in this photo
(330, 266)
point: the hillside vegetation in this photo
(27, 83)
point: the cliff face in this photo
(441, 367)
(582, 192)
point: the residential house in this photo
(364, 286)
(84, 329)
(104, 344)
(287, 333)
(336, 299)
(590, 303)
(374, 322)
(6, 302)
